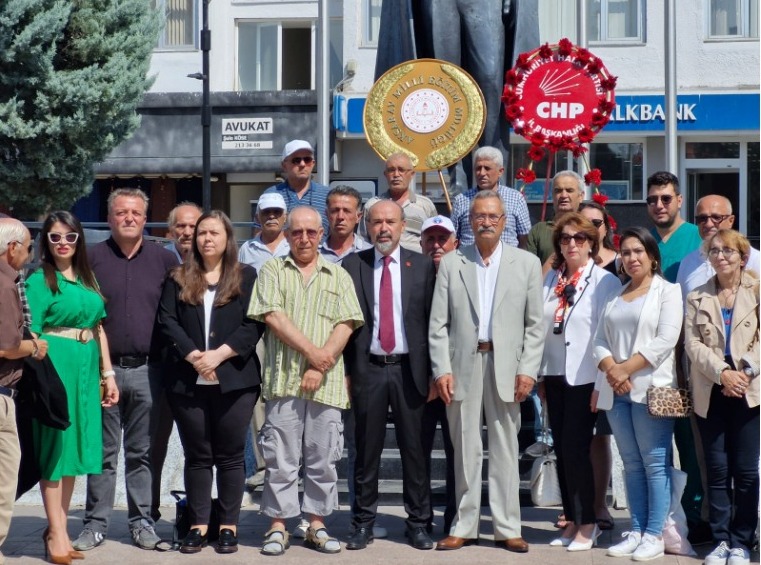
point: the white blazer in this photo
(657, 333)
(595, 287)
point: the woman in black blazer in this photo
(213, 374)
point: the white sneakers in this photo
(649, 548)
(625, 548)
(738, 556)
(639, 547)
(719, 555)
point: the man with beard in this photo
(388, 365)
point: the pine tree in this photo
(72, 73)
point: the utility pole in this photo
(205, 106)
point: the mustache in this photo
(486, 229)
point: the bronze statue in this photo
(482, 36)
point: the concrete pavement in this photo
(24, 545)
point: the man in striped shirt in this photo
(488, 170)
(310, 308)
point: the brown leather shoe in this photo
(453, 542)
(516, 545)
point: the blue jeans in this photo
(644, 443)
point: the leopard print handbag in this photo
(669, 402)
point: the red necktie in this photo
(386, 307)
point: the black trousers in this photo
(212, 428)
(435, 412)
(164, 422)
(573, 424)
(730, 436)
(384, 386)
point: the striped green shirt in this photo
(315, 308)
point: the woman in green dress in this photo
(67, 309)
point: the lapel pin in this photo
(407, 263)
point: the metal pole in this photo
(206, 108)
(582, 40)
(672, 161)
(323, 93)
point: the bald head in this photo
(712, 213)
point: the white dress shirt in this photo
(208, 306)
(396, 285)
(487, 283)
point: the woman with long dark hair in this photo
(67, 309)
(213, 381)
(634, 349)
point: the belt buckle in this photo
(84, 335)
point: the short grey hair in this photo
(485, 195)
(574, 175)
(129, 193)
(316, 212)
(11, 230)
(489, 153)
(172, 219)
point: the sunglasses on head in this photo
(298, 160)
(665, 198)
(70, 238)
(597, 222)
(579, 238)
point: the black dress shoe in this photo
(419, 538)
(228, 541)
(194, 541)
(360, 538)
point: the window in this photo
(371, 21)
(614, 20)
(556, 21)
(276, 55)
(733, 18)
(621, 165)
(180, 25)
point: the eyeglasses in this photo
(28, 249)
(298, 160)
(665, 198)
(70, 238)
(597, 222)
(715, 218)
(299, 234)
(491, 218)
(579, 238)
(394, 170)
(726, 251)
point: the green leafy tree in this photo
(72, 73)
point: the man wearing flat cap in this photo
(298, 188)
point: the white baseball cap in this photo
(438, 222)
(270, 200)
(292, 146)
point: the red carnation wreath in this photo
(558, 97)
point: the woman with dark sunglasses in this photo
(575, 292)
(67, 309)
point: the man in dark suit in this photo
(388, 365)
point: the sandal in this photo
(561, 522)
(277, 541)
(319, 540)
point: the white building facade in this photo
(264, 73)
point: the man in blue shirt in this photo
(298, 188)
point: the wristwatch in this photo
(749, 372)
